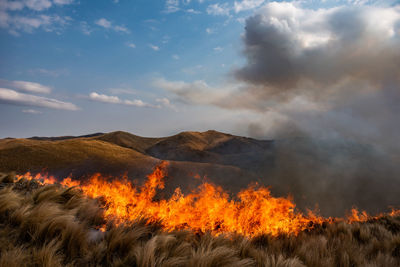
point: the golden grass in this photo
(24, 154)
(55, 226)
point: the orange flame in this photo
(254, 211)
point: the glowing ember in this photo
(254, 211)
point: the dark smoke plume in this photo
(326, 85)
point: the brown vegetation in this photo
(57, 226)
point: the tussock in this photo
(56, 226)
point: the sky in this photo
(157, 67)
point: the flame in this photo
(252, 212)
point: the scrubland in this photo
(51, 225)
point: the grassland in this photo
(56, 226)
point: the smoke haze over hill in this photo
(315, 172)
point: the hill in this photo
(191, 154)
(313, 171)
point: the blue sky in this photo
(153, 68)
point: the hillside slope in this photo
(190, 154)
(313, 171)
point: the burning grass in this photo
(253, 212)
(46, 224)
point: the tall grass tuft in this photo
(56, 226)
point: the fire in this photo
(252, 212)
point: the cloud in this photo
(16, 24)
(165, 102)
(103, 23)
(109, 25)
(193, 11)
(9, 96)
(50, 73)
(116, 100)
(120, 91)
(121, 29)
(63, 2)
(210, 31)
(131, 45)
(330, 72)
(154, 47)
(171, 6)
(176, 57)
(218, 9)
(31, 111)
(247, 5)
(201, 93)
(85, 28)
(38, 5)
(26, 16)
(25, 86)
(104, 98)
(218, 49)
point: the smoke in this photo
(328, 72)
(326, 84)
(292, 50)
(333, 78)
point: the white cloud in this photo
(38, 5)
(247, 5)
(131, 45)
(14, 5)
(201, 93)
(197, 92)
(85, 28)
(164, 102)
(103, 23)
(47, 72)
(26, 16)
(104, 98)
(16, 24)
(176, 57)
(171, 6)
(218, 49)
(137, 103)
(120, 91)
(192, 11)
(121, 29)
(154, 47)
(109, 25)
(210, 31)
(31, 111)
(116, 100)
(24, 86)
(9, 96)
(63, 2)
(165, 39)
(218, 9)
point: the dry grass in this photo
(55, 226)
